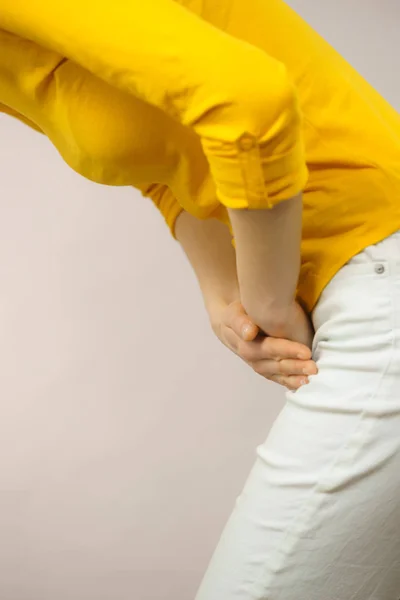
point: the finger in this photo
(237, 319)
(251, 352)
(285, 368)
(297, 367)
(276, 348)
(292, 383)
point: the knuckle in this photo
(268, 346)
(257, 368)
(276, 379)
(294, 367)
(288, 367)
(272, 348)
(283, 381)
(279, 368)
(274, 356)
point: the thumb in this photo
(241, 323)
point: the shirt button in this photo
(379, 269)
(246, 142)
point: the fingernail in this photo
(304, 381)
(307, 372)
(303, 356)
(246, 330)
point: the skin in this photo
(282, 360)
(268, 266)
(263, 273)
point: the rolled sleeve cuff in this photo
(166, 203)
(248, 176)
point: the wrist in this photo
(275, 321)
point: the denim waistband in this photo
(382, 259)
(386, 250)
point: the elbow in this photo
(268, 104)
(259, 158)
(260, 100)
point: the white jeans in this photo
(319, 517)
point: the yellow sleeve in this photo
(237, 99)
(12, 113)
(164, 200)
(160, 194)
(104, 134)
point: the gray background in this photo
(126, 430)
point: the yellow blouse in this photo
(209, 105)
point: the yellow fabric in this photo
(205, 105)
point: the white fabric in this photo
(319, 517)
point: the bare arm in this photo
(262, 275)
(268, 263)
(208, 246)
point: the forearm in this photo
(209, 249)
(268, 262)
(212, 256)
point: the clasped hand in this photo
(287, 362)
